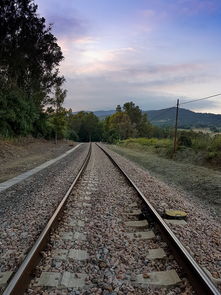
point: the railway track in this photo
(105, 237)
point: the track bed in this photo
(105, 243)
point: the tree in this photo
(120, 122)
(134, 112)
(118, 108)
(137, 118)
(86, 126)
(59, 112)
(29, 60)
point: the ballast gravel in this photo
(108, 259)
(202, 233)
(26, 207)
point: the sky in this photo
(151, 52)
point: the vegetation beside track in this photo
(199, 182)
(195, 148)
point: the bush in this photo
(211, 155)
(184, 141)
(215, 144)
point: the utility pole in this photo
(56, 125)
(175, 131)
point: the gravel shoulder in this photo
(201, 235)
(26, 207)
(97, 210)
(201, 184)
(17, 157)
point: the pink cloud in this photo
(85, 40)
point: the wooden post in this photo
(175, 131)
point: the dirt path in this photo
(17, 157)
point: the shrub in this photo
(215, 144)
(184, 141)
(211, 155)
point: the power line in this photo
(181, 103)
(200, 99)
(178, 104)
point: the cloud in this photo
(64, 17)
(157, 89)
(86, 40)
(151, 58)
(92, 60)
(106, 94)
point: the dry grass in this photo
(21, 154)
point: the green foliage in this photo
(138, 119)
(84, 126)
(29, 60)
(120, 122)
(216, 144)
(59, 123)
(193, 147)
(118, 108)
(128, 121)
(146, 142)
(184, 140)
(16, 115)
(212, 155)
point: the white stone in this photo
(73, 280)
(159, 279)
(79, 236)
(75, 222)
(4, 277)
(176, 221)
(49, 279)
(134, 204)
(158, 253)
(141, 235)
(78, 254)
(67, 236)
(137, 223)
(60, 254)
(134, 212)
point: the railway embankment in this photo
(198, 184)
(21, 154)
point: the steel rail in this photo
(199, 279)
(23, 275)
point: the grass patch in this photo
(147, 142)
(200, 151)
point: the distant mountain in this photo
(166, 117)
(187, 118)
(103, 114)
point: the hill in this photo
(166, 117)
(187, 118)
(103, 114)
